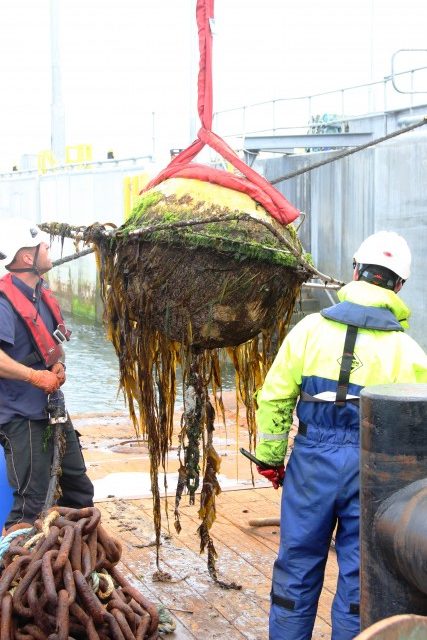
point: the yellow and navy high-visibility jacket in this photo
(308, 364)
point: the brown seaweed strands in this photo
(186, 283)
(190, 283)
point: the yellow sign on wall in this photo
(78, 153)
(45, 160)
(132, 185)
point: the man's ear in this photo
(26, 256)
(398, 286)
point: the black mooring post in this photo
(393, 501)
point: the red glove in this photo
(276, 475)
(43, 379)
(59, 369)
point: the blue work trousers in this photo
(321, 492)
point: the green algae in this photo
(240, 238)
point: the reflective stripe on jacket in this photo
(309, 360)
(46, 346)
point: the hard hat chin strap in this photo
(32, 269)
(378, 275)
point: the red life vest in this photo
(47, 347)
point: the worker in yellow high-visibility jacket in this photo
(321, 367)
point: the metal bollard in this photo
(393, 501)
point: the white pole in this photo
(193, 124)
(371, 53)
(153, 136)
(57, 108)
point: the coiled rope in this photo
(6, 540)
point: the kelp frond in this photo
(181, 296)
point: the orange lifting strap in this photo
(253, 184)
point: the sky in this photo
(128, 67)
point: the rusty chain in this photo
(63, 583)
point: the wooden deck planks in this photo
(190, 589)
(184, 562)
(245, 555)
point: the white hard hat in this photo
(387, 249)
(16, 233)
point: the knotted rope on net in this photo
(63, 582)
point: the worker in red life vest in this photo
(32, 367)
(321, 367)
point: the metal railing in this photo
(87, 164)
(299, 113)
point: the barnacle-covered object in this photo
(214, 284)
(196, 267)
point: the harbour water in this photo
(93, 371)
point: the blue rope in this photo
(6, 540)
(166, 622)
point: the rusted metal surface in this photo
(405, 627)
(401, 531)
(393, 456)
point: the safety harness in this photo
(48, 346)
(344, 374)
(346, 364)
(355, 316)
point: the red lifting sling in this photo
(182, 166)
